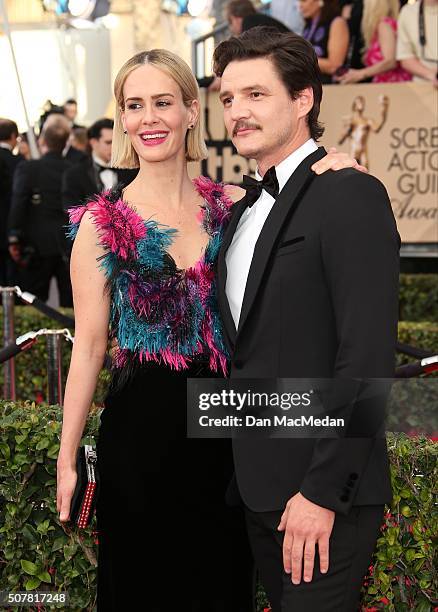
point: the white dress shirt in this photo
(240, 252)
(108, 177)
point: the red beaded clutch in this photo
(83, 503)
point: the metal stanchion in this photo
(8, 301)
(54, 366)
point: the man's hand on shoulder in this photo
(305, 524)
(336, 160)
(234, 192)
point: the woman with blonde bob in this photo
(142, 272)
(379, 30)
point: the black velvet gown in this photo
(168, 540)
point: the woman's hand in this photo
(351, 76)
(66, 476)
(335, 160)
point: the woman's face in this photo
(155, 115)
(309, 8)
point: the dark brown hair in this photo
(8, 129)
(293, 57)
(329, 10)
(240, 8)
(55, 137)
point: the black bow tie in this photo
(254, 188)
(101, 168)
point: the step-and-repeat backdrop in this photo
(392, 129)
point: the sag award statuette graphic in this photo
(358, 128)
(392, 130)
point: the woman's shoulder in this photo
(118, 226)
(338, 23)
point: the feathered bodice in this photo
(159, 312)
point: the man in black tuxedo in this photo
(94, 173)
(8, 164)
(307, 288)
(36, 226)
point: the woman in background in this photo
(327, 31)
(379, 30)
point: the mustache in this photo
(245, 125)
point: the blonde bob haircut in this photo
(123, 153)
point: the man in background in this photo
(8, 164)
(36, 230)
(94, 173)
(417, 40)
(70, 111)
(79, 139)
(241, 15)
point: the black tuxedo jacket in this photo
(321, 301)
(36, 216)
(8, 164)
(82, 181)
(74, 156)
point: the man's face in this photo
(259, 114)
(102, 146)
(70, 111)
(235, 24)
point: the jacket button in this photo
(238, 364)
(353, 476)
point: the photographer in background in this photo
(417, 43)
(36, 220)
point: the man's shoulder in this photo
(26, 166)
(5, 153)
(351, 194)
(409, 14)
(77, 170)
(345, 180)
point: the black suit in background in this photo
(320, 301)
(37, 220)
(74, 156)
(260, 19)
(82, 181)
(8, 164)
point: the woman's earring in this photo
(190, 126)
(321, 3)
(125, 131)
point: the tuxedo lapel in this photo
(93, 177)
(224, 307)
(283, 209)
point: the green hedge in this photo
(418, 297)
(31, 368)
(37, 552)
(421, 335)
(31, 365)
